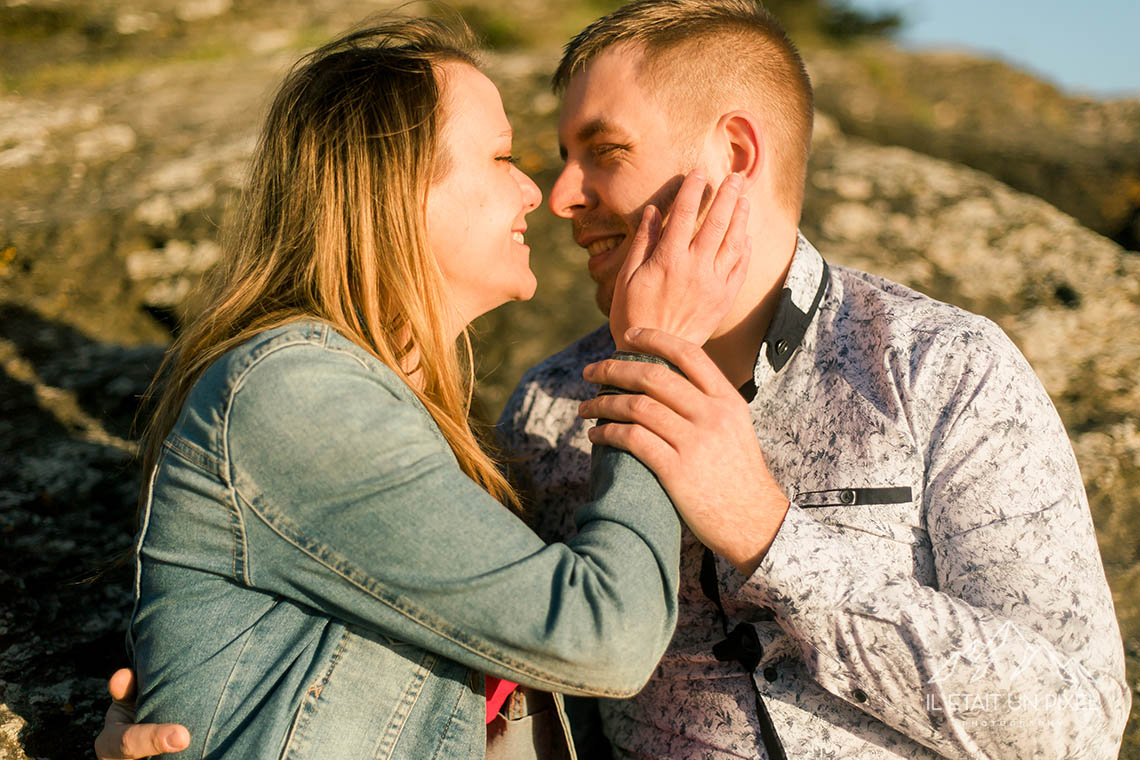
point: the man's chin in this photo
(604, 298)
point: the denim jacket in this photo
(316, 577)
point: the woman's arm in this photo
(352, 503)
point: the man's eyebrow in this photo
(590, 130)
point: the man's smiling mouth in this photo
(604, 244)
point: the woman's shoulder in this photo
(296, 357)
(301, 371)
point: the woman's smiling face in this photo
(476, 213)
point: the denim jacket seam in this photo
(390, 739)
(240, 562)
(373, 588)
(447, 727)
(296, 731)
(144, 520)
(248, 635)
(192, 455)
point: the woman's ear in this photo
(744, 141)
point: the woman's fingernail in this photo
(735, 180)
(632, 333)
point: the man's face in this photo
(621, 152)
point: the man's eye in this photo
(603, 151)
(508, 159)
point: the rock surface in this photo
(114, 182)
(1081, 155)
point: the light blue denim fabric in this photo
(317, 578)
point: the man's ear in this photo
(744, 140)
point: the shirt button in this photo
(859, 695)
(847, 496)
(770, 674)
(781, 347)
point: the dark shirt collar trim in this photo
(790, 323)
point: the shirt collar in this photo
(803, 291)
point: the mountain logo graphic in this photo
(1011, 653)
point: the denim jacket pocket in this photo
(359, 708)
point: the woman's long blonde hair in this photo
(332, 227)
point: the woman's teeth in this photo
(518, 237)
(603, 245)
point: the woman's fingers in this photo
(736, 243)
(642, 243)
(724, 210)
(677, 233)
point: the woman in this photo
(328, 558)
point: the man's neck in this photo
(737, 341)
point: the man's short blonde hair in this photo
(703, 58)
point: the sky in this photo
(1089, 47)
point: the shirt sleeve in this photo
(352, 503)
(1016, 652)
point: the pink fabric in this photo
(497, 692)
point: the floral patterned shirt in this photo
(935, 589)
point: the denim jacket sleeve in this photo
(351, 502)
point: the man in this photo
(934, 587)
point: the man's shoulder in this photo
(873, 308)
(566, 365)
(557, 380)
(560, 375)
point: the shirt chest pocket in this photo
(885, 523)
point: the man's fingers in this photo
(653, 452)
(638, 408)
(127, 741)
(123, 739)
(121, 685)
(654, 380)
(722, 212)
(689, 358)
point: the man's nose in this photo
(569, 193)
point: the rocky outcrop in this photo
(1081, 155)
